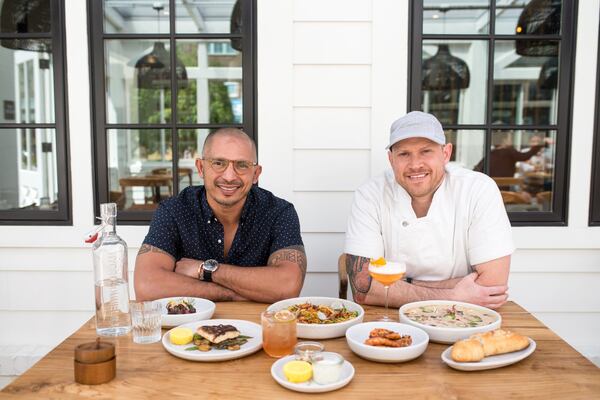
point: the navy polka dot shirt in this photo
(186, 227)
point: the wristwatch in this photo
(208, 268)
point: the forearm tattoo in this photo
(293, 254)
(146, 248)
(358, 274)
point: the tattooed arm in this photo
(154, 278)
(470, 289)
(281, 278)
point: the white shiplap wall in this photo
(332, 75)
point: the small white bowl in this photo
(321, 331)
(204, 310)
(449, 335)
(356, 336)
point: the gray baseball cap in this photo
(417, 124)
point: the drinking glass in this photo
(387, 275)
(278, 332)
(145, 321)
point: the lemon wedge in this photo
(284, 315)
(181, 335)
(297, 371)
(380, 262)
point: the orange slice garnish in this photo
(380, 262)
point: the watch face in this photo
(211, 265)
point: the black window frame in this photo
(594, 213)
(559, 214)
(61, 216)
(97, 76)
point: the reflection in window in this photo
(208, 86)
(495, 115)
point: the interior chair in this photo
(513, 198)
(343, 277)
(507, 181)
(183, 172)
(544, 199)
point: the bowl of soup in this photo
(449, 321)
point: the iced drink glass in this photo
(278, 332)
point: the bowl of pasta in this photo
(321, 317)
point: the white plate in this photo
(357, 334)
(310, 386)
(204, 310)
(321, 331)
(245, 327)
(490, 362)
(449, 335)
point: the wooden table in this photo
(554, 370)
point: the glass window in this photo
(172, 72)
(496, 74)
(33, 172)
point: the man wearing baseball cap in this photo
(446, 223)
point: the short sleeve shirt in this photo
(186, 227)
(466, 225)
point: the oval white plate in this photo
(321, 331)
(310, 386)
(449, 335)
(246, 328)
(357, 334)
(490, 362)
(204, 310)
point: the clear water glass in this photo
(146, 321)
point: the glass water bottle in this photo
(110, 277)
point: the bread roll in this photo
(488, 344)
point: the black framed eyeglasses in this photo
(221, 164)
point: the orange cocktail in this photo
(386, 273)
(278, 332)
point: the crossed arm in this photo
(158, 275)
(486, 286)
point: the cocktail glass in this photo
(387, 275)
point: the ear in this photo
(390, 157)
(200, 167)
(447, 150)
(257, 172)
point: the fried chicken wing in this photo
(386, 338)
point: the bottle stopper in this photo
(95, 362)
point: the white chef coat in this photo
(466, 225)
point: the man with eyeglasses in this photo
(446, 223)
(225, 240)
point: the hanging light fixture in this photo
(26, 16)
(235, 25)
(539, 17)
(443, 71)
(548, 78)
(154, 68)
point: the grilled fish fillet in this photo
(218, 333)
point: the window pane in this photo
(467, 147)
(25, 17)
(525, 87)
(141, 16)
(28, 169)
(137, 160)
(466, 16)
(454, 80)
(532, 17)
(138, 81)
(190, 148)
(27, 86)
(213, 93)
(522, 164)
(199, 16)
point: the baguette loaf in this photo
(481, 345)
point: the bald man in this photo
(225, 240)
